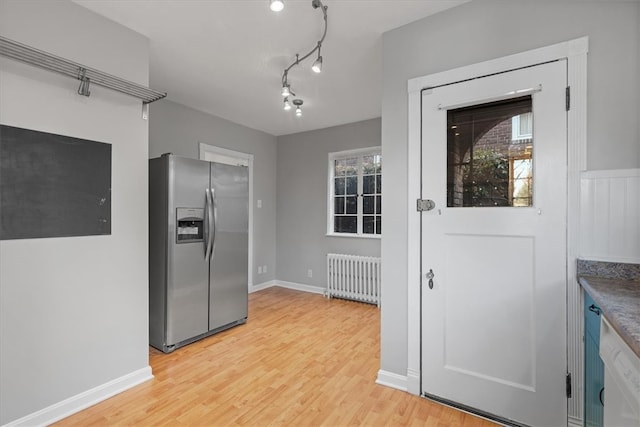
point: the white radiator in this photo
(354, 277)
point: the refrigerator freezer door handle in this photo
(207, 224)
(214, 223)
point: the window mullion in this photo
(359, 191)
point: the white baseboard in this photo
(83, 400)
(261, 286)
(300, 287)
(413, 382)
(574, 422)
(288, 285)
(389, 379)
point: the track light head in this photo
(317, 65)
(286, 91)
(298, 103)
(276, 5)
(287, 104)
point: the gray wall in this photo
(483, 30)
(303, 161)
(174, 128)
(73, 311)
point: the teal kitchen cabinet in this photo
(593, 366)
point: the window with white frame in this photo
(522, 127)
(355, 193)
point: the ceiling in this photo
(226, 58)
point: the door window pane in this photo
(522, 171)
(486, 166)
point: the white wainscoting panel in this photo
(610, 215)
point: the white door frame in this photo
(244, 158)
(575, 51)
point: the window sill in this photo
(355, 236)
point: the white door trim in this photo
(245, 158)
(575, 51)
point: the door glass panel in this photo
(490, 154)
(521, 172)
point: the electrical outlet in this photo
(259, 203)
(264, 268)
(259, 269)
(309, 273)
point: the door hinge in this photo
(568, 385)
(424, 205)
(567, 95)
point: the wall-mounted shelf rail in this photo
(21, 52)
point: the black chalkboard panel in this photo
(53, 185)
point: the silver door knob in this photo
(430, 276)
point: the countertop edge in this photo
(626, 335)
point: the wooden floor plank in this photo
(301, 360)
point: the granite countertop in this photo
(618, 296)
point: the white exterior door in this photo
(494, 315)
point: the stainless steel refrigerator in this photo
(198, 249)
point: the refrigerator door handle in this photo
(207, 224)
(214, 222)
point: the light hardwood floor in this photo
(301, 360)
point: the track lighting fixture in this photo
(276, 5)
(298, 103)
(317, 64)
